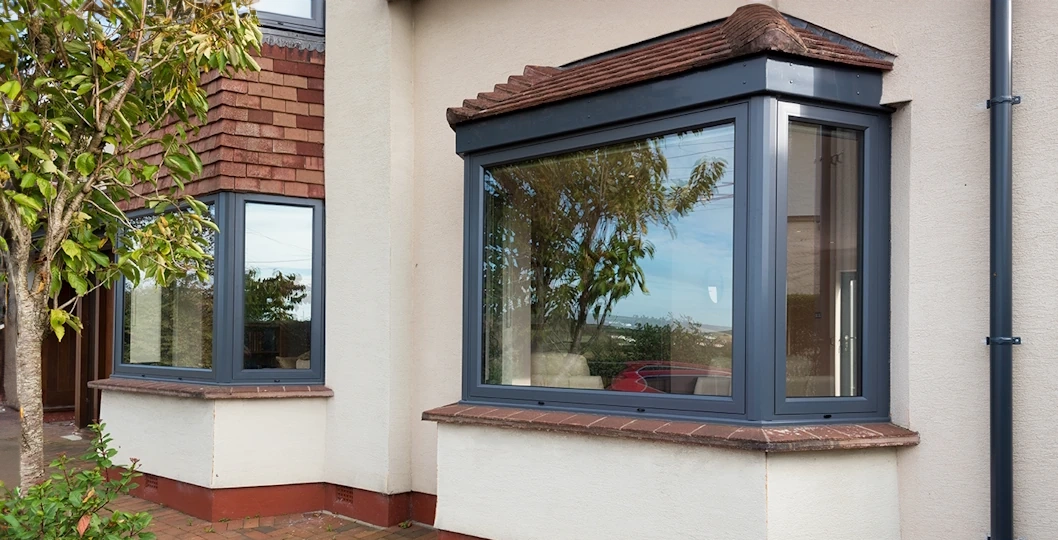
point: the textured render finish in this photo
(940, 256)
(517, 485)
(369, 255)
(834, 495)
(219, 443)
(172, 437)
(268, 442)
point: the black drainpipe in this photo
(1001, 332)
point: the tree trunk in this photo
(31, 317)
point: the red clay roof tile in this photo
(751, 29)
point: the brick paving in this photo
(169, 524)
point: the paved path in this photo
(54, 445)
(168, 524)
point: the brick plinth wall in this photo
(382, 510)
(264, 130)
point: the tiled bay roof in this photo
(751, 29)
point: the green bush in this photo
(74, 502)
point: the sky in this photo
(692, 274)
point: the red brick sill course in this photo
(202, 391)
(757, 438)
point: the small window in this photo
(295, 15)
(259, 315)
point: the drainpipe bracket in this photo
(1013, 100)
(1002, 341)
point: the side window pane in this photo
(277, 276)
(612, 268)
(822, 254)
(170, 326)
(293, 8)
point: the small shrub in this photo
(74, 502)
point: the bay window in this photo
(257, 319)
(727, 262)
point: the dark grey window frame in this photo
(315, 371)
(760, 95)
(228, 209)
(315, 25)
(729, 406)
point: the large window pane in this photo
(612, 268)
(277, 276)
(170, 326)
(293, 8)
(822, 253)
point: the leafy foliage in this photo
(88, 87)
(98, 99)
(74, 502)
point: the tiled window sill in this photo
(756, 438)
(202, 391)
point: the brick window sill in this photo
(756, 438)
(202, 391)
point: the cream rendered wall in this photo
(815, 495)
(940, 253)
(268, 442)
(172, 437)
(219, 443)
(523, 485)
(370, 220)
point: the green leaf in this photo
(79, 284)
(71, 248)
(11, 89)
(85, 164)
(9, 162)
(58, 319)
(99, 258)
(40, 154)
(25, 200)
(46, 188)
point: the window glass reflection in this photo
(822, 261)
(611, 268)
(277, 279)
(170, 326)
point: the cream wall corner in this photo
(839, 494)
(370, 224)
